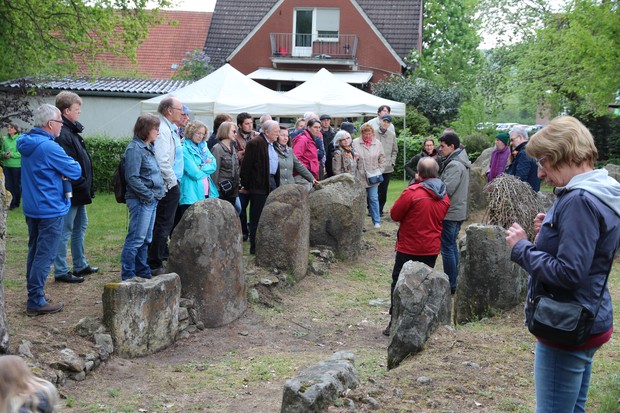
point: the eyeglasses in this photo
(179, 109)
(539, 163)
(199, 133)
(54, 120)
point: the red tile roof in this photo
(165, 45)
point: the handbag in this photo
(565, 323)
(226, 188)
(374, 176)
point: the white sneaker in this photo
(377, 225)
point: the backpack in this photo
(118, 180)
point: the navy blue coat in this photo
(525, 168)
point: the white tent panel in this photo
(337, 98)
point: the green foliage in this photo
(105, 153)
(606, 133)
(414, 144)
(475, 143)
(416, 122)
(471, 113)
(437, 103)
(196, 65)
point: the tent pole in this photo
(405, 149)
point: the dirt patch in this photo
(241, 367)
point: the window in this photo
(327, 24)
(316, 24)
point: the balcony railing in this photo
(308, 46)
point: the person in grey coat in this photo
(455, 174)
(289, 162)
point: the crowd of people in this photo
(172, 163)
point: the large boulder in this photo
(489, 282)
(422, 302)
(483, 160)
(316, 387)
(206, 251)
(5, 200)
(142, 316)
(283, 235)
(478, 198)
(337, 211)
(613, 171)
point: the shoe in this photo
(46, 309)
(86, 271)
(69, 278)
(246, 237)
(157, 271)
(377, 225)
(386, 332)
(452, 291)
(252, 251)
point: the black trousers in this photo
(244, 199)
(400, 260)
(13, 182)
(257, 203)
(164, 220)
(383, 188)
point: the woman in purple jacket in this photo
(570, 257)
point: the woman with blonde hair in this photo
(226, 175)
(23, 392)
(570, 258)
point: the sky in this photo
(195, 5)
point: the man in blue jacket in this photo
(523, 167)
(44, 166)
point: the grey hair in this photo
(428, 167)
(310, 115)
(44, 113)
(165, 104)
(340, 135)
(262, 118)
(520, 131)
(269, 124)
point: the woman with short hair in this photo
(145, 187)
(572, 253)
(288, 161)
(428, 149)
(370, 163)
(12, 164)
(344, 160)
(226, 175)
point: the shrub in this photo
(413, 147)
(105, 153)
(475, 143)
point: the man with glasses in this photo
(44, 166)
(169, 155)
(523, 167)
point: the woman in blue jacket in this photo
(198, 165)
(570, 257)
(145, 187)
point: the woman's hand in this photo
(515, 234)
(538, 223)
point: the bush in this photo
(413, 147)
(105, 153)
(475, 143)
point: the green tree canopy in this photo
(52, 36)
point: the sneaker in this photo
(377, 225)
(48, 308)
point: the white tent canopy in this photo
(331, 95)
(229, 91)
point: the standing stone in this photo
(337, 212)
(613, 171)
(283, 236)
(421, 304)
(142, 317)
(206, 251)
(5, 200)
(478, 198)
(489, 283)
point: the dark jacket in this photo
(576, 245)
(73, 144)
(227, 166)
(255, 167)
(525, 168)
(412, 166)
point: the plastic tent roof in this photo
(330, 95)
(229, 91)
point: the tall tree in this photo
(51, 36)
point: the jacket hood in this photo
(28, 142)
(459, 155)
(599, 184)
(436, 186)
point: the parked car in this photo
(505, 127)
(485, 125)
(532, 129)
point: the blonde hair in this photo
(366, 127)
(224, 130)
(563, 141)
(20, 388)
(193, 127)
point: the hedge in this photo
(105, 153)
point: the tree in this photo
(51, 37)
(196, 65)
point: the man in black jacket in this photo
(76, 220)
(260, 173)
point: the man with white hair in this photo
(523, 167)
(260, 173)
(45, 201)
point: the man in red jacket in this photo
(420, 209)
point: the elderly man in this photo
(169, 155)
(76, 220)
(420, 209)
(260, 174)
(523, 167)
(455, 174)
(387, 137)
(44, 167)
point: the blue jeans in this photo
(450, 250)
(139, 236)
(373, 203)
(562, 379)
(74, 228)
(43, 238)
